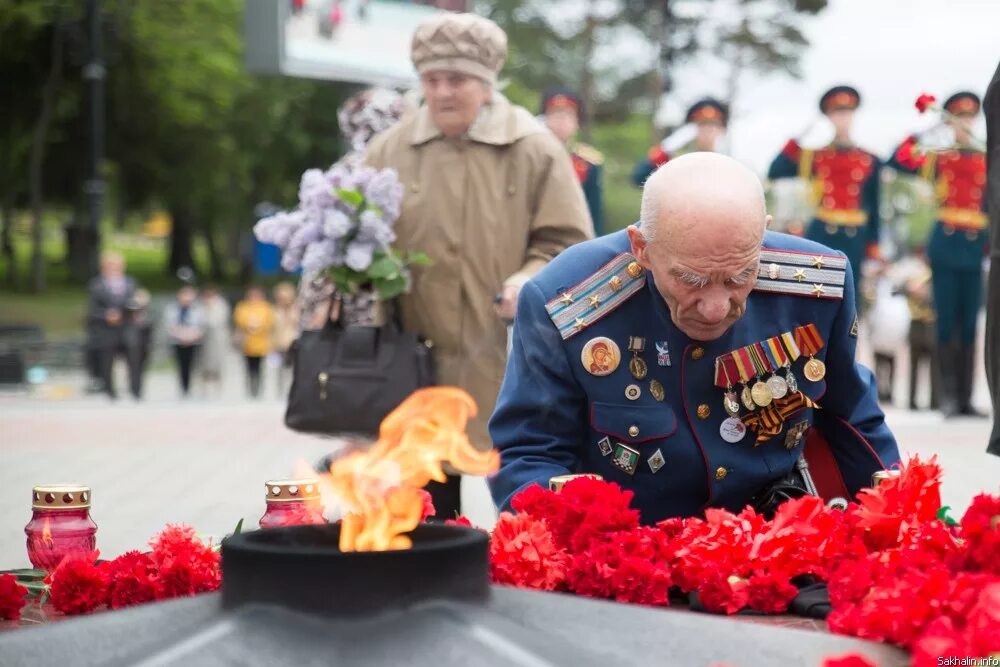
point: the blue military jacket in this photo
(554, 416)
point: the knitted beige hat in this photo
(460, 43)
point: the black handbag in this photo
(347, 379)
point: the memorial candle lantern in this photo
(292, 503)
(60, 524)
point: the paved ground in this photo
(203, 461)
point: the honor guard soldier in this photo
(956, 246)
(710, 118)
(690, 358)
(843, 182)
(562, 111)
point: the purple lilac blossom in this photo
(359, 255)
(278, 228)
(385, 192)
(336, 224)
(375, 229)
(314, 190)
(319, 256)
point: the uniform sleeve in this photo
(850, 417)
(786, 164)
(559, 216)
(906, 157)
(644, 168)
(540, 420)
(593, 191)
(870, 201)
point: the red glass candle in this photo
(60, 524)
(293, 502)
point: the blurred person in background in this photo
(215, 341)
(140, 334)
(921, 335)
(490, 196)
(562, 113)
(284, 332)
(843, 182)
(108, 319)
(184, 324)
(709, 117)
(253, 318)
(957, 245)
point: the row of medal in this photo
(749, 366)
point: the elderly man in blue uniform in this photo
(956, 247)
(562, 111)
(690, 358)
(709, 116)
(843, 180)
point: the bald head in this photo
(702, 224)
(696, 192)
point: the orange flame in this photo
(381, 487)
(46, 533)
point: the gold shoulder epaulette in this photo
(801, 273)
(590, 154)
(602, 292)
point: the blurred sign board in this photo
(359, 41)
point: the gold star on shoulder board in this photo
(818, 290)
(580, 324)
(800, 275)
(595, 301)
(818, 262)
(566, 299)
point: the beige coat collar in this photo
(499, 123)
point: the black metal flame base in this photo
(302, 568)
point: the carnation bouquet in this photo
(342, 229)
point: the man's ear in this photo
(767, 221)
(639, 245)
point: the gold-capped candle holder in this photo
(60, 524)
(292, 502)
(558, 482)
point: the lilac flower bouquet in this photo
(343, 229)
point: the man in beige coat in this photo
(490, 195)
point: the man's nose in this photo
(714, 308)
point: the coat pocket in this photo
(633, 424)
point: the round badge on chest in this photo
(600, 356)
(732, 429)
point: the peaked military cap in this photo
(840, 97)
(708, 109)
(963, 102)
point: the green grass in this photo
(622, 144)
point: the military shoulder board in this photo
(801, 274)
(576, 308)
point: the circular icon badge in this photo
(600, 356)
(732, 430)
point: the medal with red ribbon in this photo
(810, 342)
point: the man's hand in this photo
(113, 316)
(506, 304)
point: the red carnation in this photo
(909, 156)
(981, 532)
(924, 102)
(185, 565)
(428, 508)
(132, 580)
(523, 553)
(983, 623)
(771, 593)
(12, 596)
(899, 502)
(849, 660)
(586, 509)
(628, 566)
(723, 594)
(77, 585)
(940, 639)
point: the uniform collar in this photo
(499, 123)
